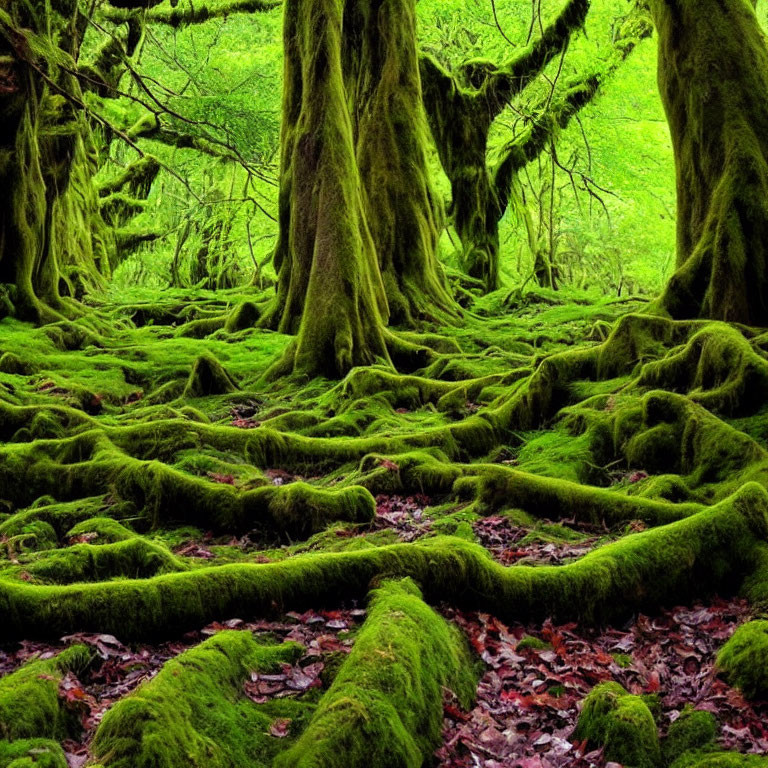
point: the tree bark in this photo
(391, 135)
(330, 290)
(713, 77)
(49, 217)
(358, 220)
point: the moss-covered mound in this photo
(195, 712)
(743, 660)
(622, 724)
(30, 706)
(694, 731)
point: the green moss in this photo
(714, 549)
(133, 558)
(30, 707)
(89, 463)
(622, 724)
(195, 712)
(553, 533)
(208, 377)
(693, 730)
(718, 366)
(412, 391)
(385, 705)
(497, 487)
(663, 432)
(50, 522)
(528, 642)
(11, 363)
(26, 753)
(244, 315)
(743, 660)
(756, 584)
(556, 454)
(106, 530)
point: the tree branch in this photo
(501, 84)
(635, 27)
(192, 14)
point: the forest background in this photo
(608, 218)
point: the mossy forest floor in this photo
(564, 494)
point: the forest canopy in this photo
(384, 383)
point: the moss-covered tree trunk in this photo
(48, 204)
(358, 220)
(461, 107)
(713, 77)
(391, 135)
(330, 290)
(461, 121)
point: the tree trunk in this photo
(329, 290)
(391, 135)
(460, 120)
(48, 205)
(461, 108)
(358, 220)
(713, 77)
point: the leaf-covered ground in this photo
(528, 699)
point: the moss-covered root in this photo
(622, 724)
(208, 377)
(135, 558)
(717, 367)
(104, 530)
(384, 709)
(296, 509)
(30, 707)
(694, 731)
(714, 549)
(195, 713)
(32, 753)
(743, 660)
(497, 487)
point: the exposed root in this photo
(650, 438)
(385, 705)
(195, 710)
(714, 549)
